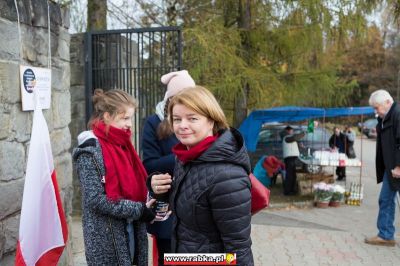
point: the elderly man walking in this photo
(387, 164)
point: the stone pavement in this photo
(77, 242)
(306, 240)
(312, 236)
(332, 236)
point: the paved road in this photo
(332, 236)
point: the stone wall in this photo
(15, 125)
(78, 105)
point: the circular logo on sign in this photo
(29, 80)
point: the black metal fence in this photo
(132, 60)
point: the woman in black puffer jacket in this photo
(210, 192)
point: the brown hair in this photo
(113, 102)
(203, 102)
(164, 129)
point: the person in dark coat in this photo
(210, 193)
(158, 140)
(338, 141)
(113, 179)
(387, 164)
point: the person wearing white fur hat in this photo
(158, 140)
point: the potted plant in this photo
(337, 196)
(322, 194)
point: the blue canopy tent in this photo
(251, 126)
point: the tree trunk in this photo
(97, 15)
(244, 23)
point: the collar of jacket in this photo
(229, 147)
(382, 121)
(389, 114)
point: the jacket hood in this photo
(85, 135)
(229, 147)
(88, 143)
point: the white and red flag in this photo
(43, 229)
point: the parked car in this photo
(368, 127)
(270, 143)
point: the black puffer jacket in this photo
(211, 201)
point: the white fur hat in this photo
(176, 81)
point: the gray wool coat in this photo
(104, 222)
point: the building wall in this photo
(15, 125)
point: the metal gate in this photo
(132, 60)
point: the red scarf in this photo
(184, 155)
(125, 173)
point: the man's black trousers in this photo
(290, 183)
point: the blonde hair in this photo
(203, 102)
(113, 102)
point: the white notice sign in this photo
(35, 80)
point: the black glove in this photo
(147, 215)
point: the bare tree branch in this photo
(120, 14)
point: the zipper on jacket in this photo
(115, 245)
(109, 220)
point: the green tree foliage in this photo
(290, 54)
(261, 53)
(276, 52)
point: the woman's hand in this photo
(161, 183)
(157, 218)
(150, 203)
(160, 218)
(148, 216)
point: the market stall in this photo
(330, 158)
(252, 125)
